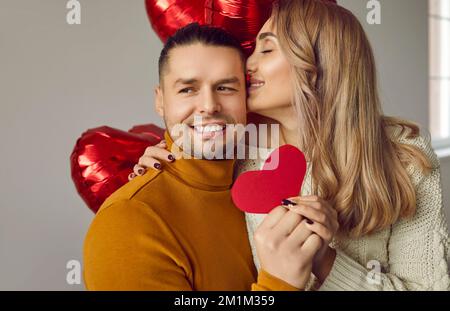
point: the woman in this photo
(372, 190)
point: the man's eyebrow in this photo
(265, 35)
(228, 81)
(185, 81)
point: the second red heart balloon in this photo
(103, 158)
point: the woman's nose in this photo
(251, 63)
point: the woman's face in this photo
(270, 88)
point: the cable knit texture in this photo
(410, 255)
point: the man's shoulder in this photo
(123, 211)
(128, 191)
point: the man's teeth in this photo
(209, 128)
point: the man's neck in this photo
(211, 175)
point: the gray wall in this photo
(58, 80)
(400, 45)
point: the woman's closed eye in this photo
(266, 51)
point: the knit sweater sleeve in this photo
(417, 249)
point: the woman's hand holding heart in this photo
(286, 247)
(323, 221)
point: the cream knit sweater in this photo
(410, 255)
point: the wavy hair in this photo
(356, 164)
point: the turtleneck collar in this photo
(210, 175)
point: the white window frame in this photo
(444, 42)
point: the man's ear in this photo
(159, 102)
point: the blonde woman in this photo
(372, 190)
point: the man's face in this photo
(202, 90)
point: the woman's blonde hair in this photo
(343, 132)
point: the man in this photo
(177, 228)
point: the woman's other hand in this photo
(151, 159)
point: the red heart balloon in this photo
(242, 18)
(281, 177)
(103, 158)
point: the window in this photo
(439, 19)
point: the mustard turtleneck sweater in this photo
(174, 229)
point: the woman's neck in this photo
(288, 134)
(286, 120)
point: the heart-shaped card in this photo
(281, 177)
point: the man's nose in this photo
(209, 103)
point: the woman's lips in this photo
(255, 84)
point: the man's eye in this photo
(225, 89)
(187, 90)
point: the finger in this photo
(327, 209)
(311, 246)
(332, 216)
(149, 162)
(159, 153)
(287, 224)
(162, 143)
(321, 205)
(273, 217)
(299, 234)
(314, 202)
(311, 213)
(139, 170)
(309, 198)
(325, 233)
(131, 176)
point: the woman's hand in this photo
(150, 159)
(322, 220)
(286, 247)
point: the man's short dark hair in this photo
(195, 33)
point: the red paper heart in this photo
(103, 158)
(259, 192)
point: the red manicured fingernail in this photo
(140, 171)
(171, 158)
(309, 221)
(157, 166)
